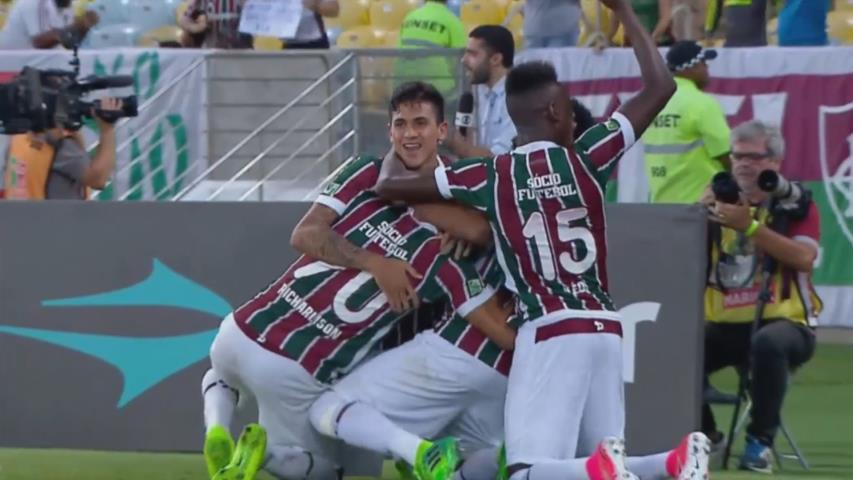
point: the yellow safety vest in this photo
(734, 282)
(28, 167)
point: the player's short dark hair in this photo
(417, 92)
(498, 39)
(530, 76)
(583, 117)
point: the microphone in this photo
(725, 187)
(465, 113)
(779, 187)
(100, 83)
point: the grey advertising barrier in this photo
(107, 311)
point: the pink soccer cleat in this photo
(608, 461)
(689, 461)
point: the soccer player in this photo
(450, 381)
(331, 307)
(545, 204)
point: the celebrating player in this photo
(326, 312)
(545, 203)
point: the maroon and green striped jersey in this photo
(545, 204)
(328, 318)
(456, 330)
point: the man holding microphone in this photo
(487, 59)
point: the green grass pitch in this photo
(818, 410)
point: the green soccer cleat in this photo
(437, 461)
(404, 470)
(218, 449)
(248, 457)
(503, 472)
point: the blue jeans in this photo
(569, 39)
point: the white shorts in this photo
(432, 389)
(565, 392)
(283, 389)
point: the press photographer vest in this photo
(29, 166)
(734, 282)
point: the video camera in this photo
(40, 99)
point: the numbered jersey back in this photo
(550, 208)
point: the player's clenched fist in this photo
(392, 276)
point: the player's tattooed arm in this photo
(314, 237)
(658, 85)
(397, 183)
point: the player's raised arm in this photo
(658, 85)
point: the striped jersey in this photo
(545, 204)
(456, 330)
(328, 318)
(223, 19)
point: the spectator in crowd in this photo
(746, 23)
(214, 24)
(432, 25)
(656, 16)
(689, 140)
(43, 24)
(551, 23)
(803, 23)
(744, 234)
(311, 33)
(487, 60)
(54, 165)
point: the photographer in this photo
(42, 24)
(744, 233)
(54, 164)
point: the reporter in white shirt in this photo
(487, 59)
(37, 24)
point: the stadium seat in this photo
(481, 12)
(359, 37)
(387, 38)
(151, 14)
(514, 18)
(389, 14)
(844, 5)
(840, 26)
(166, 33)
(107, 36)
(112, 12)
(267, 43)
(352, 14)
(599, 20)
(80, 7)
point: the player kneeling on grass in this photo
(364, 264)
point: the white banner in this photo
(162, 148)
(271, 18)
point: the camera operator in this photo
(43, 23)
(54, 164)
(743, 235)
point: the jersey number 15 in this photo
(548, 247)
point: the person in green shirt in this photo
(431, 26)
(688, 143)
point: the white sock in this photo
(220, 399)
(363, 426)
(480, 465)
(650, 467)
(293, 463)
